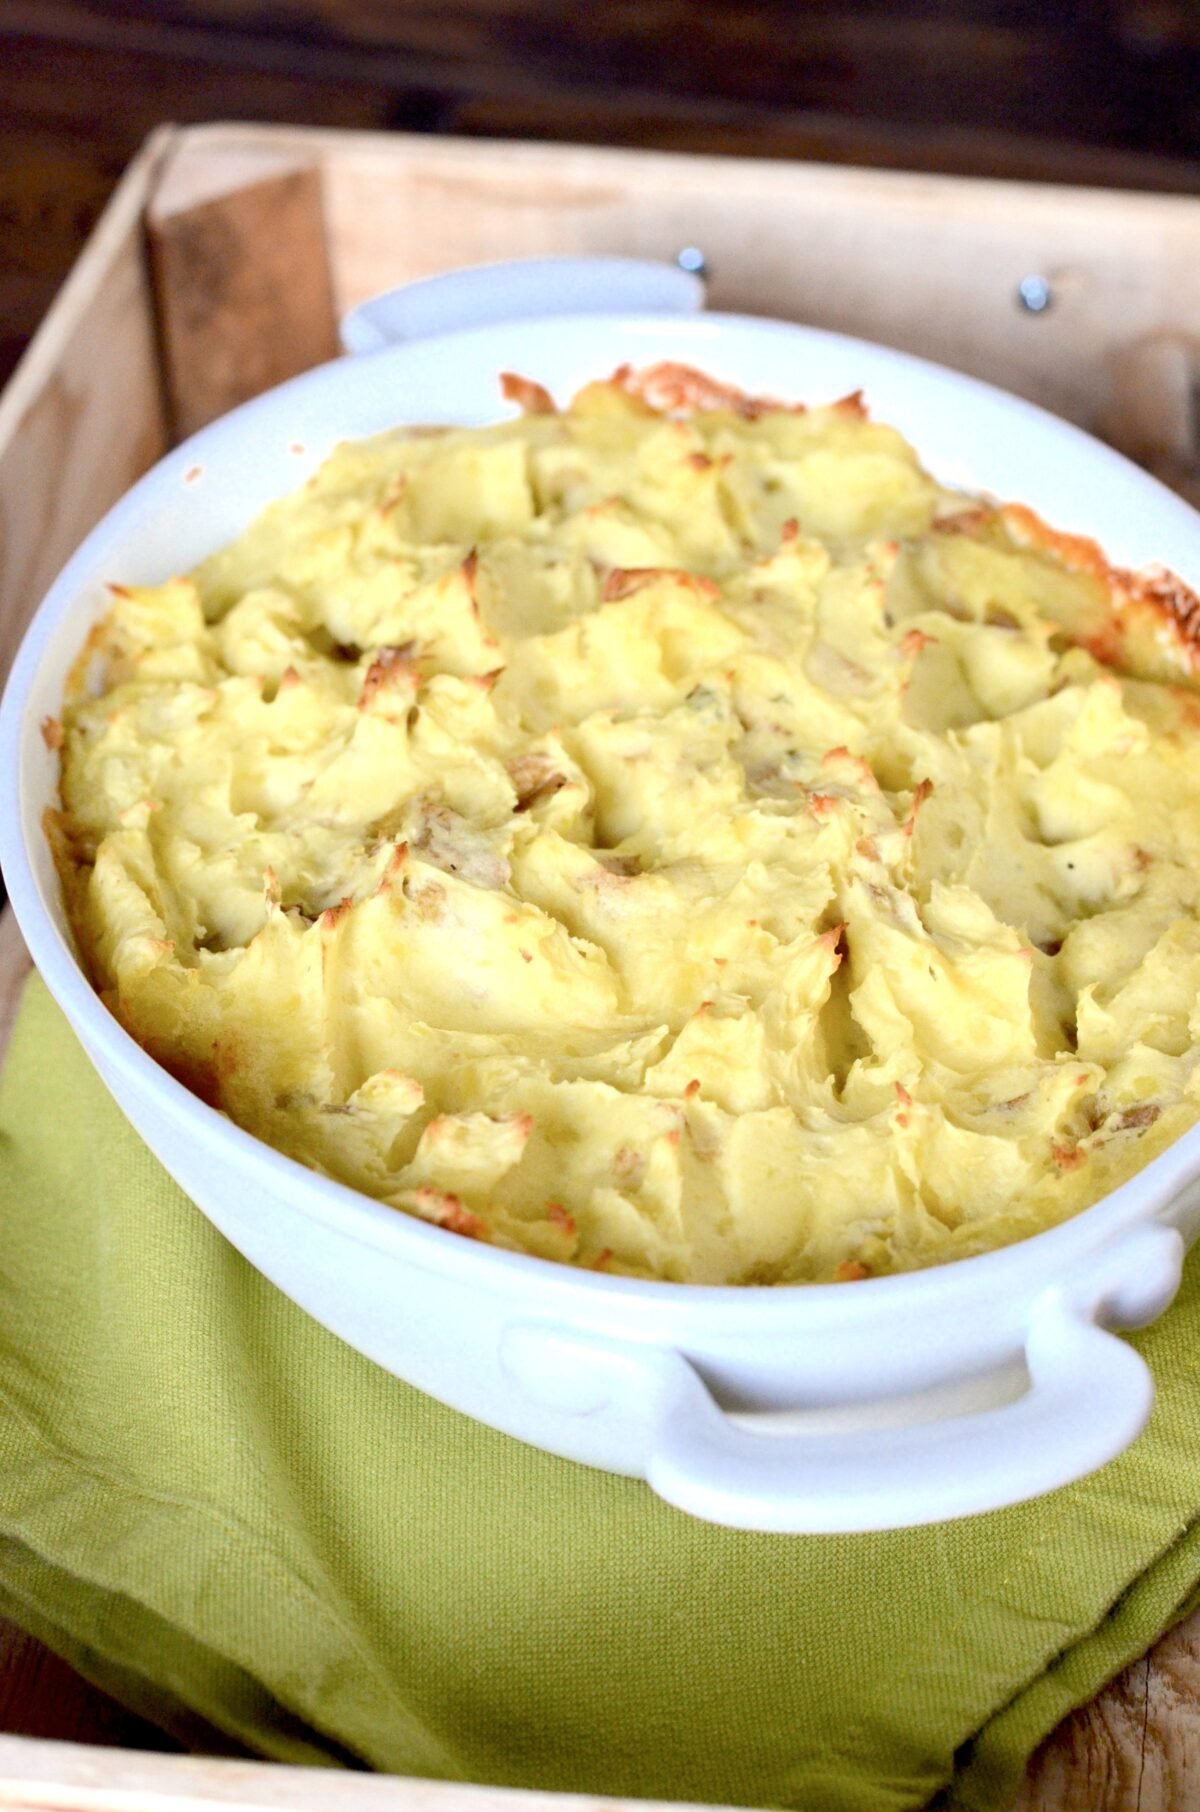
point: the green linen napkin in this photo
(218, 1512)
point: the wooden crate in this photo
(220, 267)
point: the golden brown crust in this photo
(535, 777)
(672, 388)
(99, 646)
(968, 521)
(1164, 592)
(393, 496)
(1154, 607)
(1079, 552)
(531, 397)
(558, 1216)
(444, 1209)
(73, 856)
(1087, 597)
(390, 667)
(333, 916)
(623, 581)
(921, 793)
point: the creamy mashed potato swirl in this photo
(673, 835)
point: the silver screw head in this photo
(692, 260)
(1034, 295)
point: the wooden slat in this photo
(950, 146)
(56, 1777)
(82, 416)
(1119, 73)
(242, 282)
(804, 243)
(1136, 1747)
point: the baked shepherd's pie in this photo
(672, 835)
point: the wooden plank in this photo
(1123, 73)
(243, 291)
(953, 147)
(82, 416)
(57, 1777)
(1136, 1747)
(1153, 413)
(803, 243)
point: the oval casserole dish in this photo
(903, 1399)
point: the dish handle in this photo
(1089, 1395)
(525, 289)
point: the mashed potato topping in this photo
(673, 835)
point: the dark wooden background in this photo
(1079, 90)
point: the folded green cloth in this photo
(225, 1517)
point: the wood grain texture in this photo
(1118, 73)
(242, 287)
(949, 146)
(1135, 1748)
(54, 1778)
(83, 415)
(955, 254)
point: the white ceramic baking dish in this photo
(889, 1402)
